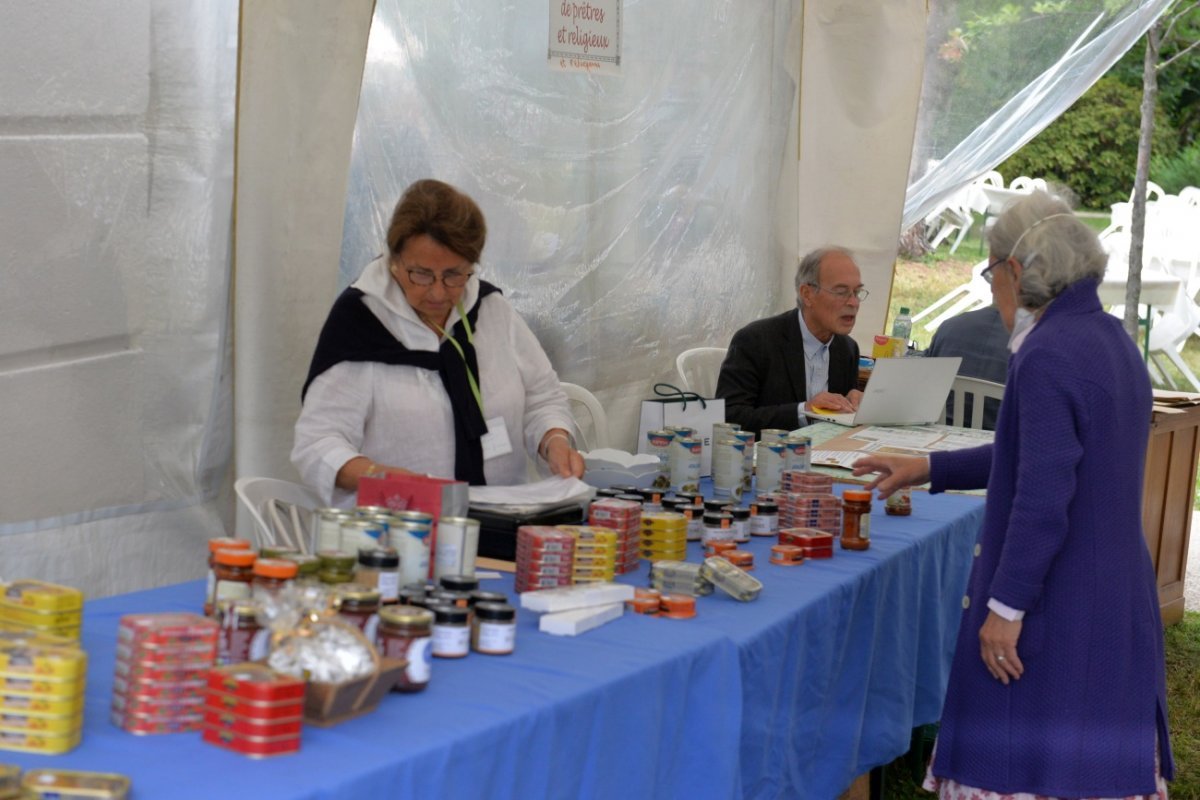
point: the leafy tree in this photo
(1092, 147)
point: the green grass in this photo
(1183, 703)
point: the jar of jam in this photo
(481, 596)
(359, 605)
(451, 631)
(238, 630)
(494, 629)
(411, 595)
(447, 597)
(308, 567)
(405, 632)
(380, 567)
(276, 552)
(220, 543)
(272, 574)
(232, 572)
(899, 503)
(856, 519)
(741, 524)
(336, 566)
(764, 518)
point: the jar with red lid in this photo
(405, 632)
(240, 635)
(232, 572)
(272, 574)
(856, 519)
(220, 543)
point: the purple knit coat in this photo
(1062, 540)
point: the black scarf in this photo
(353, 333)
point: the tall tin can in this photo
(455, 547)
(728, 465)
(799, 453)
(771, 459)
(747, 439)
(358, 533)
(658, 443)
(685, 464)
(772, 435)
(327, 528)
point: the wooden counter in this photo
(1168, 489)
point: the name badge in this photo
(495, 442)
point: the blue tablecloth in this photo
(792, 695)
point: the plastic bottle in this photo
(902, 326)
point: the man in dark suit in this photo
(802, 358)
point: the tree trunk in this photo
(1137, 226)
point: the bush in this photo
(1175, 172)
(1092, 147)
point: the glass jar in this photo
(232, 572)
(239, 627)
(359, 605)
(220, 543)
(717, 527)
(856, 519)
(308, 567)
(451, 631)
(380, 567)
(494, 629)
(336, 566)
(405, 632)
(741, 524)
(446, 597)
(482, 596)
(272, 574)
(459, 583)
(276, 552)
(764, 518)
(899, 503)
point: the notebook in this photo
(901, 391)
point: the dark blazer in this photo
(763, 377)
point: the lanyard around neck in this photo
(471, 341)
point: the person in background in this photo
(1057, 687)
(423, 367)
(778, 367)
(981, 339)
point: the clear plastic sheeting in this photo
(630, 217)
(997, 74)
(116, 145)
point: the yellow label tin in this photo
(57, 724)
(68, 784)
(39, 742)
(40, 596)
(58, 662)
(36, 685)
(11, 633)
(40, 703)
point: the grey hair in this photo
(809, 269)
(1054, 247)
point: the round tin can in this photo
(362, 534)
(327, 527)
(658, 443)
(747, 438)
(456, 546)
(685, 464)
(771, 459)
(681, 431)
(724, 430)
(772, 435)
(728, 466)
(799, 453)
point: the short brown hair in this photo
(441, 212)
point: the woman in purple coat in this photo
(1057, 688)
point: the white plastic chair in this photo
(1170, 333)
(1024, 183)
(699, 368)
(975, 293)
(282, 511)
(598, 418)
(978, 390)
(1190, 195)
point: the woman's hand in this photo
(998, 647)
(895, 472)
(363, 467)
(562, 459)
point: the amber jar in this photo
(272, 574)
(405, 632)
(899, 503)
(232, 572)
(238, 627)
(220, 543)
(451, 631)
(856, 519)
(494, 629)
(359, 605)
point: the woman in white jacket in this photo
(422, 367)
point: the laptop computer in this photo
(901, 391)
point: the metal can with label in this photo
(799, 453)
(362, 534)
(327, 527)
(772, 435)
(456, 547)
(771, 459)
(685, 464)
(747, 438)
(728, 464)
(658, 443)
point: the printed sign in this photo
(585, 36)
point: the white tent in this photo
(188, 185)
